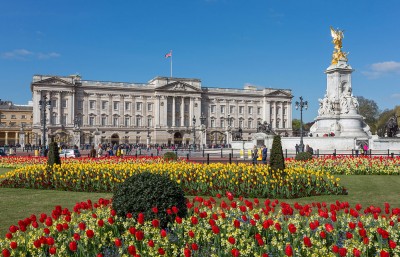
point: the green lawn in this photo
(17, 204)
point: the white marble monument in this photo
(338, 111)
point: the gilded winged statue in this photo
(337, 37)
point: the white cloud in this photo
(16, 54)
(48, 55)
(23, 54)
(379, 69)
(395, 96)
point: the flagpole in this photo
(171, 63)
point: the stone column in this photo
(191, 108)
(173, 112)
(182, 111)
(157, 110)
(59, 100)
(36, 110)
(22, 138)
(71, 109)
(274, 114)
(281, 115)
(6, 138)
(85, 110)
(133, 110)
(48, 110)
(268, 112)
(121, 110)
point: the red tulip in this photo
(139, 235)
(235, 252)
(89, 233)
(13, 245)
(73, 246)
(52, 250)
(6, 253)
(231, 240)
(117, 242)
(307, 241)
(161, 251)
(191, 233)
(288, 250)
(187, 252)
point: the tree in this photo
(54, 155)
(296, 127)
(370, 110)
(277, 161)
(383, 119)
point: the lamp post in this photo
(203, 125)
(194, 133)
(43, 104)
(148, 137)
(302, 104)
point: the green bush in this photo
(53, 154)
(277, 161)
(141, 192)
(170, 156)
(304, 156)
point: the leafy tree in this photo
(370, 110)
(383, 119)
(296, 127)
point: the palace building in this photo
(161, 111)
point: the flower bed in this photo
(234, 228)
(347, 165)
(195, 179)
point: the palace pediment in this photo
(279, 93)
(54, 81)
(178, 86)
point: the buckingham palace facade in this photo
(161, 111)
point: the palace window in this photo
(231, 109)
(104, 121)
(127, 106)
(127, 121)
(54, 118)
(149, 107)
(212, 123)
(149, 122)
(92, 104)
(80, 104)
(64, 119)
(222, 108)
(138, 106)
(115, 121)
(23, 116)
(284, 124)
(116, 106)
(250, 124)
(13, 116)
(53, 103)
(64, 103)
(138, 121)
(250, 109)
(241, 109)
(104, 105)
(259, 110)
(240, 123)
(91, 121)
(212, 108)
(222, 123)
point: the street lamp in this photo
(43, 104)
(302, 104)
(148, 137)
(194, 133)
(202, 121)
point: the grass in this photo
(18, 204)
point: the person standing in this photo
(254, 155)
(297, 148)
(264, 153)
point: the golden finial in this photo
(337, 37)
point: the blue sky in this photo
(278, 44)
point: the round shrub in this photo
(170, 156)
(304, 156)
(142, 192)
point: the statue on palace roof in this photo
(337, 37)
